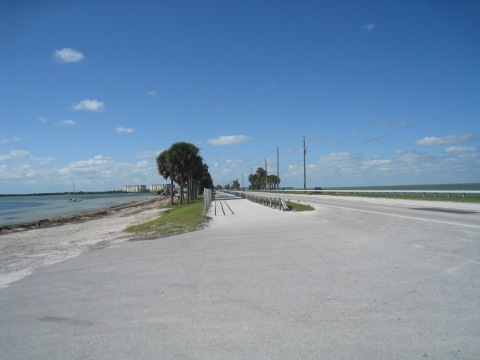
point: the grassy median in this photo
(296, 206)
(175, 219)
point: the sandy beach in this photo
(25, 248)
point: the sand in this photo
(25, 248)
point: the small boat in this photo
(74, 199)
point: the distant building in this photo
(159, 187)
(135, 188)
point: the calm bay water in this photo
(26, 209)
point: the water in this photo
(31, 208)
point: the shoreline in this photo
(26, 248)
(75, 218)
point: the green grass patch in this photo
(442, 197)
(295, 206)
(176, 219)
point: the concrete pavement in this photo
(259, 283)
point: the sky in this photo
(381, 92)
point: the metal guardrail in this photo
(423, 193)
(272, 202)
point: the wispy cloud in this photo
(153, 92)
(460, 149)
(95, 161)
(68, 122)
(377, 162)
(229, 140)
(90, 105)
(124, 130)
(42, 119)
(234, 161)
(370, 27)
(68, 55)
(10, 139)
(15, 154)
(148, 154)
(446, 140)
(97, 172)
(43, 160)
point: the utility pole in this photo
(278, 171)
(304, 165)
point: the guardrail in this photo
(273, 202)
(422, 193)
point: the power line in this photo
(414, 125)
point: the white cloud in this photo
(90, 105)
(233, 161)
(446, 140)
(10, 139)
(95, 161)
(42, 119)
(68, 55)
(337, 156)
(15, 154)
(148, 154)
(68, 122)
(153, 92)
(43, 161)
(376, 162)
(27, 173)
(460, 149)
(229, 140)
(370, 27)
(125, 130)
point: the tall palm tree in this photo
(181, 155)
(195, 175)
(166, 168)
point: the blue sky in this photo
(384, 92)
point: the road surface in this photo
(346, 281)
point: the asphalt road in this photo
(455, 213)
(346, 281)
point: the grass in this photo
(418, 197)
(295, 206)
(176, 219)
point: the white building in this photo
(159, 187)
(135, 188)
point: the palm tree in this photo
(166, 168)
(182, 164)
(205, 180)
(195, 176)
(181, 155)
